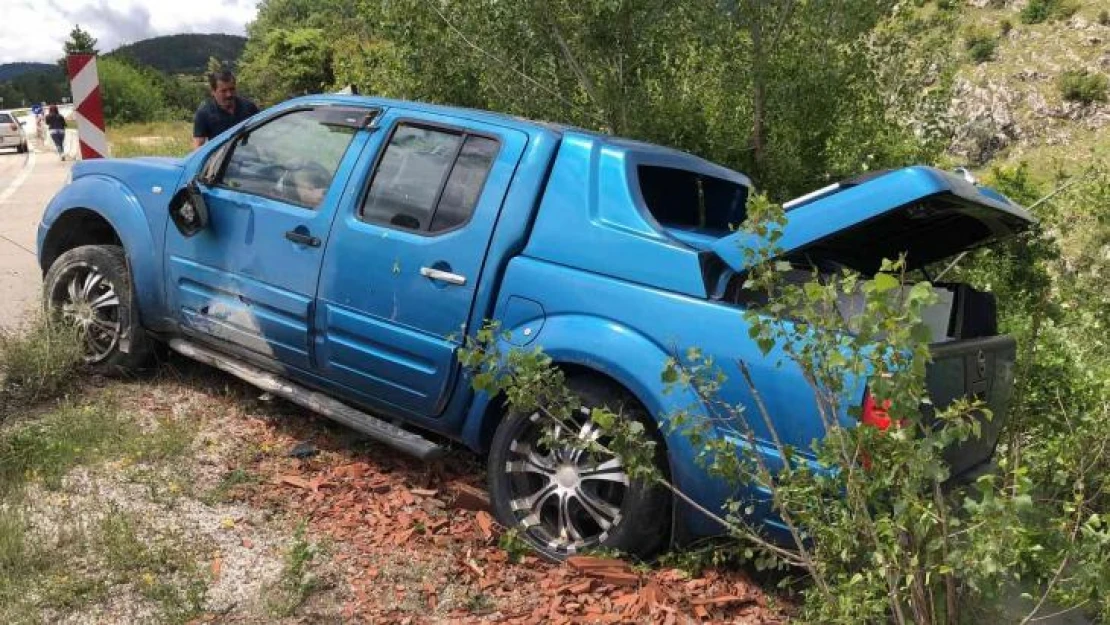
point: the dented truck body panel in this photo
(570, 240)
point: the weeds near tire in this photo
(37, 363)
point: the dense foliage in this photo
(792, 93)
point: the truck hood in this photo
(116, 167)
(926, 213)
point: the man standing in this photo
(223, 111)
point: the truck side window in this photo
(292, 158)
(428, 179)
(465, 183)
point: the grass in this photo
(151, 139)
(48, 447)
(298, 580)
(60, 557)
(37, 362)
(87, 555)
(228, 486)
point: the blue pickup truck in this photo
(336, 250)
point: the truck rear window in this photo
(677, 197)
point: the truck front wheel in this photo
(90, 287)
(563, 500)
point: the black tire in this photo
(91, 287)
(640, 528)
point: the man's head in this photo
(222, 84)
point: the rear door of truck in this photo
(400, 273)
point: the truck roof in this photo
(650, 152)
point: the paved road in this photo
(27, 182)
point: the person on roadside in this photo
(222, 111)
(56, 125)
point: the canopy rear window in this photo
(681, 198)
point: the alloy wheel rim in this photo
(567, 498)
(89, 302)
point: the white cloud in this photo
(35, 30)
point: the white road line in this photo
(14, 185)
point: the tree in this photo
(214, 65)
(130, 94)
(80, 42)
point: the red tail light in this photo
(873, 414)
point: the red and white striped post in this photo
(84, 83)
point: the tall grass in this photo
(37, 362)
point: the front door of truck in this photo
(248, 279)
(402, 266)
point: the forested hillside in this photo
(157, 78)
(182, 54)
(9, 71)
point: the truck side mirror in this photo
(188, 210)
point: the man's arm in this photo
(200, 128)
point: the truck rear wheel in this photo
(563, 500)
(90, 288)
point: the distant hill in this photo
(8, 71)
(182, 54)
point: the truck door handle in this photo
(443, 276)
(303, 238)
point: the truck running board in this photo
(387, 433)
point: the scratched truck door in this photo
(249, 279)
(401, 267)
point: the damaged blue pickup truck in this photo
(330, 249)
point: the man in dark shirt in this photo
(223, 111)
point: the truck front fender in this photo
(86, 200)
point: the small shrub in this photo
(946, 5)
(1079, 85)
(298, 580)
(1038, 11)
(1005, 26)
(1104, 17)
(980, 44)
(37, 362)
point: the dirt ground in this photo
(349, 533)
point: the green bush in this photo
(1037, 11)
(980, 44)
(1080, 85)
(130, 94)
(1104, 17)
(1005, 26)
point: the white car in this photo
(12, 134)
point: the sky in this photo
(35, 30)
